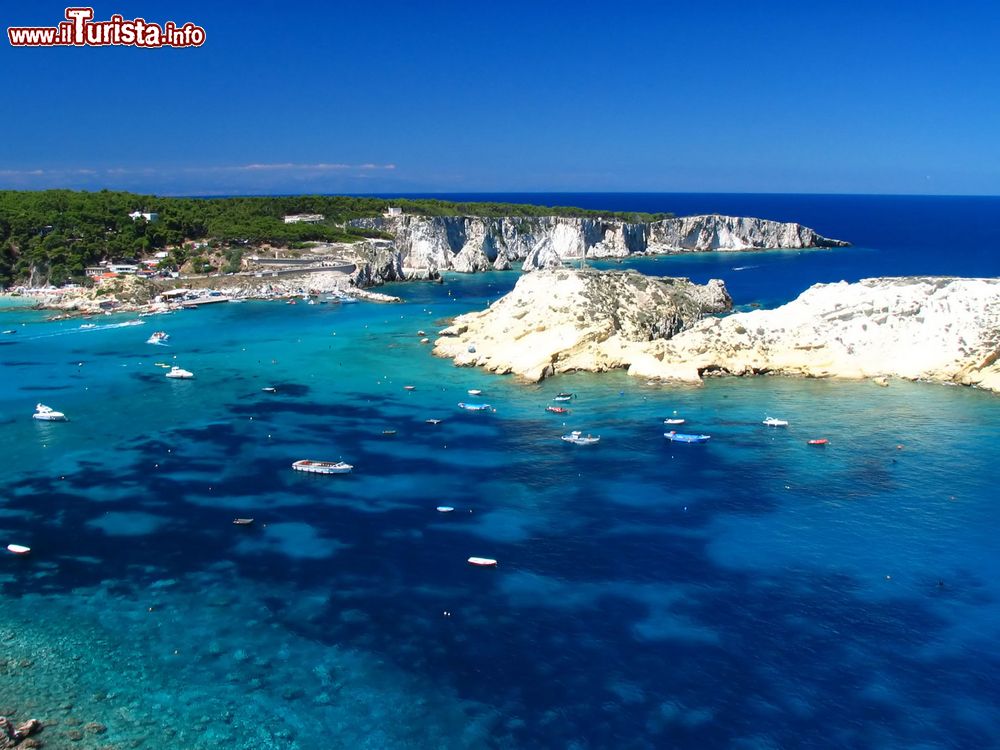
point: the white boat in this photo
(9, 332)
(269, 389)
(475, 407)
(322, 467)
(18, 549)
(45, 414)
(179, 373)
(773, 422)
(576, 437)
(673, 420)
(158, 337)
(433, 421)
(242, 521)
(444, 509)
(474, 392)
(85, 326)
(409, 387)
(483, 562)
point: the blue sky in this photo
(846, 97)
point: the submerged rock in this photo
(562, 320)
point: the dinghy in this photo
(475, 407)
(680, 437)
(322, 467)
(557, 409)
(483, 562)
(817, 441)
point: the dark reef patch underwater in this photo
(751, 593)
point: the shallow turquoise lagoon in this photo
(752, 592)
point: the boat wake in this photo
(743, 268)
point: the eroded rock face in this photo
(469, 243)
(562, 320)
(943, 329)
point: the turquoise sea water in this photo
(752, 592)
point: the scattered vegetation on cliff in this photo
(53, 235)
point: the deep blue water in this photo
(753, 592)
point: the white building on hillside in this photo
(392, 211)
(149, 216)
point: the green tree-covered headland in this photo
(56, 234)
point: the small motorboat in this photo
(44, 413)
(444, 509)
(557, 409)
(9, 332)
(475, 407)
(483, 562)
(421, 333)
(269, 389)
(425, 341)
(86, 326)
(673, 420)
(322, 467)
(388, 433)
(432, 421)
(817, 441)
(291, 302)
(158, 337)
(563, 397)
(178, 373)
(474, 392)
(773, 422)
(680, 437)
(18, 549)
(576, 437)
(409, 387)
(242, 521)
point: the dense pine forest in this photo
(55, 234)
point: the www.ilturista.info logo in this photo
(80, 30)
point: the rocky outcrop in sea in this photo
(941, 329)
(562, 320)
(425, 245)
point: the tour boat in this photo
(474, 392)
(242, 521)
(322, 467)
(817, 441)
(179, 373)
(475, 407)
(158, 337)
(673, 420)
(45, 414)
(483, 562)
(578, 438)
(773, 422)
(680, 437)
(444, 509)
(18, 549)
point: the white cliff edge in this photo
(939, 329)
(563, 320)
(427, 245)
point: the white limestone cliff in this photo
(941, 329)
(427, 245)
(562, 320)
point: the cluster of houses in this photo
(146, 268)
